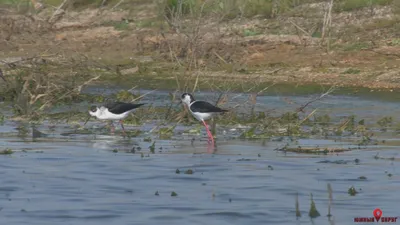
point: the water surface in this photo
(105, 179)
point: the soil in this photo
(363, 51)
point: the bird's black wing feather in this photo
(204, 107)
(121, 107)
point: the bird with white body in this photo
(113, 111)
(202, 111)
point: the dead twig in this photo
(2, 76)
(301, 29)
(330, 90)
(57, 12)
(116, 5)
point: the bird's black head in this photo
(187, 98)
(93, 108)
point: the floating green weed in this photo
(133, 133)
(166, 132)
(323, 120)
(6, 151)
(147, 139)
(189, 171)
(352, 191)
(385, 122)
(313, 213)
(152, 147)
(125, 96)
(173, 194)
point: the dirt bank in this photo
(362, 47)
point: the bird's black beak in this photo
(87, 120)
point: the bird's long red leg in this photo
(112, 127)
(209, 134)
(123, 128)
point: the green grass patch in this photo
(352, 71)
(250, 32)
(395, 42)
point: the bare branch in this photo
(330, 90)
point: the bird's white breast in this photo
(107, 115)
(201, 116)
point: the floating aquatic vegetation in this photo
(352, 191)
(313, 213)
(323, 120)
(125, 96)
(147, 139)
(297, 206)
(174, 194)
(6, 151)
(189, 171)
(133, 133)
(314, 150)
(166, 132)
(385, 122)
(177, 171)
(152, 147)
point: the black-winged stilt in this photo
(113, 111)
(201, 110)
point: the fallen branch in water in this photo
(330, 90)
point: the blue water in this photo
(79, 179)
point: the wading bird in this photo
(202, 111)
(113, 111)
